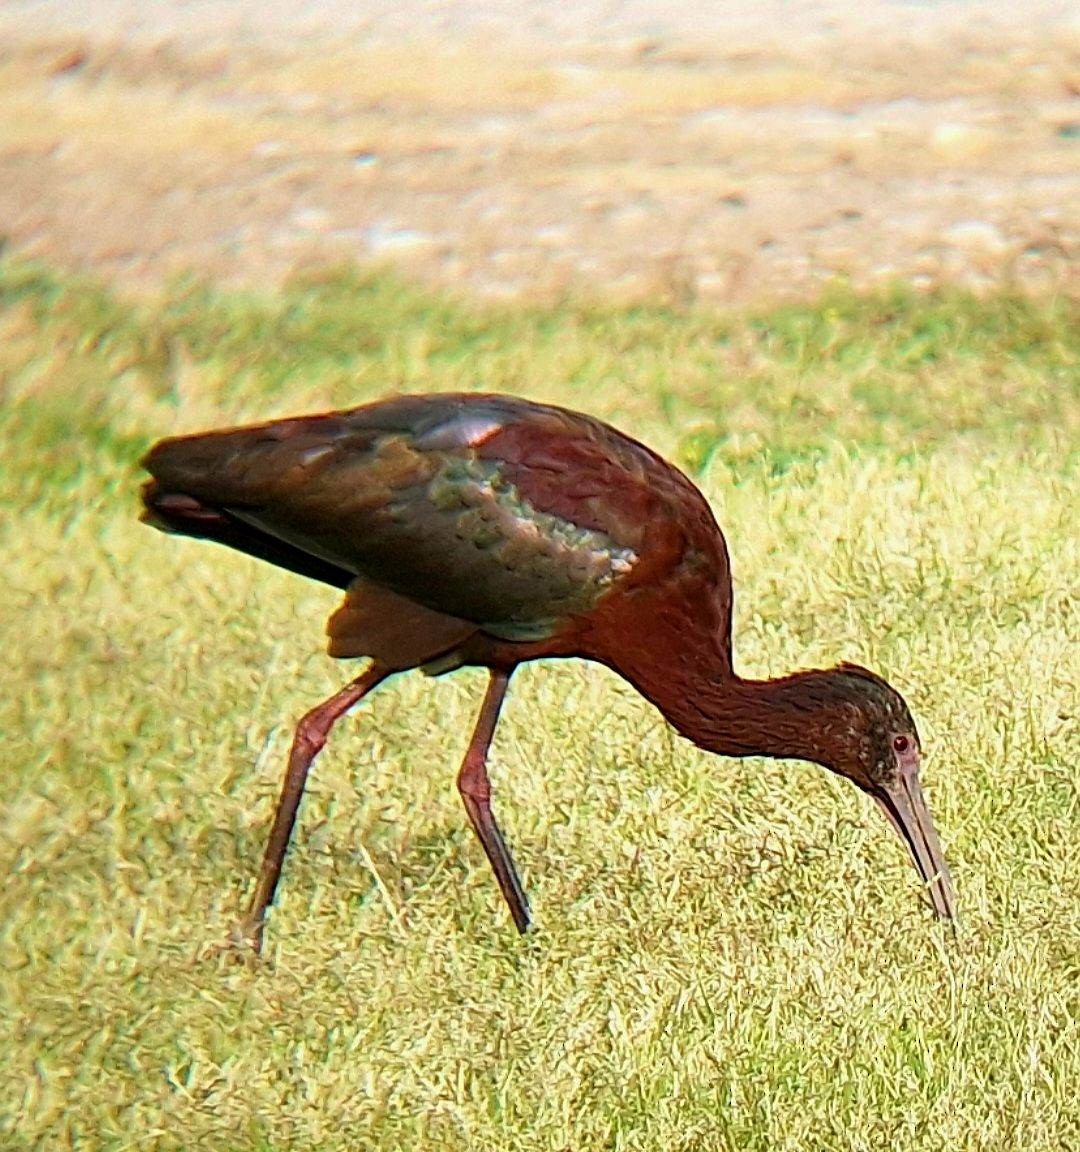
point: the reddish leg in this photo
(475, 789)
(311, 734)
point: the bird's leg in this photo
(475, 789)
(311, 735)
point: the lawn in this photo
(728, 954)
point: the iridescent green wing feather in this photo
(408, 494)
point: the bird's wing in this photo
(505, 514)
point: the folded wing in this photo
(411, 497)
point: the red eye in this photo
(901, 743)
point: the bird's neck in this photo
(731, 716)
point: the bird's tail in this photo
(205, 486)
(243, 466)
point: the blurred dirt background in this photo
(718, 151)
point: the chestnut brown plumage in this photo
(488, 531)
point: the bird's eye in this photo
(901, 743)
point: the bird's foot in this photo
(246, 938)
(242, 945)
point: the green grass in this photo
(729, 955)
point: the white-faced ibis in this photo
(487, 531)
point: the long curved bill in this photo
(905, 806)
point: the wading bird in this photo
(485, 530)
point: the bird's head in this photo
(869, 736)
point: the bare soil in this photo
(725, 152)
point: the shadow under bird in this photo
(484, 530)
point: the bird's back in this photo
(505, 516)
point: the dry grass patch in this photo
(729, 955)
